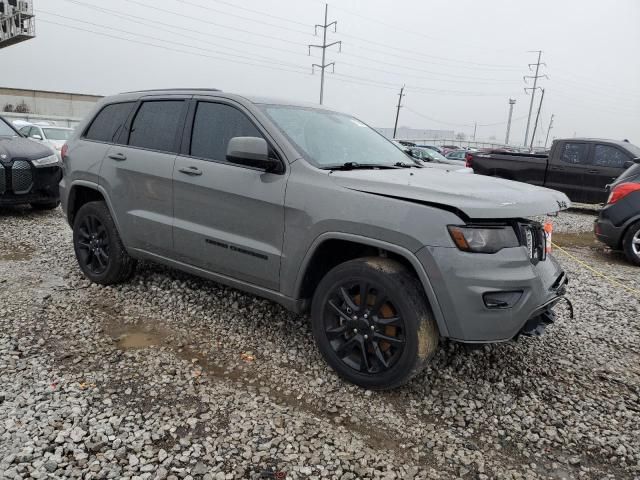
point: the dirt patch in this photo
(138, 339)
(16, 252)
(583, 239)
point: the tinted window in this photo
(214, 125)
(155, 126)
(109, 122)
(576, 153)
(608, 156)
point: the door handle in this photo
(190, 171)
(593, 171)
(557, 168)
(118, 156)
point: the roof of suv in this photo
(258, 100)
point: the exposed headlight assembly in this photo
(483, 239)
(46, 161)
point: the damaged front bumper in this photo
(496, 297)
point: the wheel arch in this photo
(82, 192)
(333, 248)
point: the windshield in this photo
(435, 156)
(635, 151)
(6, 130)
(328, 139)
(57, 133)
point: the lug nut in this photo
(366, 337)
(373, 327)
(355, 330)
(355, 317)
(366, 315)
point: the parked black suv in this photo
(618, 224)
(29, 171)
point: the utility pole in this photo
(533, 90)
(549, 130)
(512, 102)
(400, 95)
(324, 47)
(475, 127)
(535, 125)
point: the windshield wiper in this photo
(358, 166)
(408, 165)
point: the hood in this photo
(18, 148)
(476, 196)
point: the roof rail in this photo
(175, 90)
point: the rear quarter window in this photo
(109, 122)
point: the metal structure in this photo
(533, 90)
(512, 102)
(546, 140)
(17, 22)
(395, 125)
(535, 125)
(324, 47)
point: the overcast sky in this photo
(460, 59)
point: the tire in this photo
(383, 345)
(98, 248)
(631, 243)
(45, 205)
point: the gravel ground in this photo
(171, 376)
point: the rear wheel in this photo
(372, 323)
(99, 250)
(631, 243)
(45, 205)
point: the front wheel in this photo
(99, 250)
(372, 323)
(631, 243)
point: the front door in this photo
(228, 219)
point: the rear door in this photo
(137, 173)
(229, 219)
(569, 170)
(608, 164)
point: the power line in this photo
(261, 22)
(323, 66)
(163, 26)
(163, 47)
(261, 13)
(209, 22)
(218, 52)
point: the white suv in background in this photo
(54, 137)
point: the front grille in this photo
(534, 239)
(21, 177)
(3, 180)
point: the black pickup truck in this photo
(579, 167)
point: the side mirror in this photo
(636, 160)
(251, 152)
(36, 137)
(628, 163)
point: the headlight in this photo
(483, 239)
(46, 161)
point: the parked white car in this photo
(54, 137)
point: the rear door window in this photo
(108, 124)
(214, 125)
(575, 153)
(156, 124)
(608, 156)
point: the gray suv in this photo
(315, 210)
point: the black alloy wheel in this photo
(364, 329)
(93, 245)
(99, 250)
(372, 322)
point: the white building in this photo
(60, 108)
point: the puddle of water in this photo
(134, 339)
(582, 239)
(16, 252)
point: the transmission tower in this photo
(324, 47)
(533, 90)
(546, 140)
(512, 102)
(535, 125)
